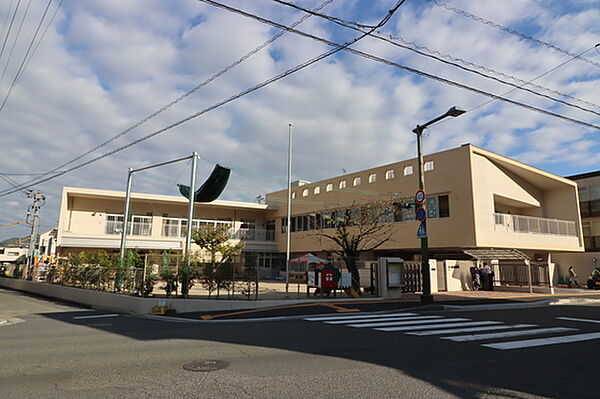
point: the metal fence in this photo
(413, 277)
(535, 225)
(517, 273)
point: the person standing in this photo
(487, 277)
(573, 278)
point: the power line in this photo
(19, 71)
(338, 47)
(547, 6)
(6, 18)
(340, 22)
(12, 49)
(215, 76)
(512, 31)
(12, 20)
(404, 67)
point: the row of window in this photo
(436, 206)
(590, 208)
(357, 181)
(171, 227)
(589, 193)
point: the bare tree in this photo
(363, 227)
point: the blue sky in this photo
(106, 64)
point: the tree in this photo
(214, 239)
(359, 228)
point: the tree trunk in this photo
(350, 260)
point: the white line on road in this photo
(96, 316)
(404, 323)
(437, 326)
(470, 329)
(358, 316)
(384, 319)
(528, 343)
(575, 319)
(506, 334)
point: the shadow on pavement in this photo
(466, 370)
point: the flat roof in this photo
(97, 193)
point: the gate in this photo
(516, 272)
(413, 277)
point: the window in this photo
(583, 194)
(408, 170)
(444, 205)
(293, 195)
(389, 174)
(317, 190)
(342, 184)
(114, 224)
(305, 192)
(284, 225)
(329, 187)
(432, 207)
(356, 181)
(428, 166)
(141, 226)
(372, 178)
(594, 192)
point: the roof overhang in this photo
(499, 254)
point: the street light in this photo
(426, 297)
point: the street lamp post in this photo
(426, 297)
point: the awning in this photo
(500, 254)
(308, 258)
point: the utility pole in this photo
(39, 199)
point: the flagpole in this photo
(289, 213)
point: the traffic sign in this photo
(419, 196)
(421, 214)
(422, 231)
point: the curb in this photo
(429, 308)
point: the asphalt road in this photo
(49, 351)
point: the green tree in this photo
(359, 228)
(215, 240)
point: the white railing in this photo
(534, 225)
(254, 235)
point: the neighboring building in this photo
(93, 219)
(589, 204)
(9, 255)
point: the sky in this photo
(102, 66)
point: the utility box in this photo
(391, 277)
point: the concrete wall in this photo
(129, 304)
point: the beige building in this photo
(476, 201)
(93, 219)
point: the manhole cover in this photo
(206, 365)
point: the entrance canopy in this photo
(500, 254)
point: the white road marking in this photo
(479, 337)
(96, 316)
(529, 343)
(357, 316)
(437, 326)
(576, 319)
(384, 319)
(403, 323)
(470, 329)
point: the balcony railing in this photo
(253, 235)
(534, 225)
(135, 228)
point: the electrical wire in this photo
(404, 67)
(453, 63)
(6, 18)
(12, 20)
(12, 49)
(19, 71)
(215, 76)
(338, 47)
(512, 31)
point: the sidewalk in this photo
(408, 300)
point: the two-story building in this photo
(479, 205)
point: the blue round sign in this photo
(421, 214)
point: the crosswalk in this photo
(487, 333)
